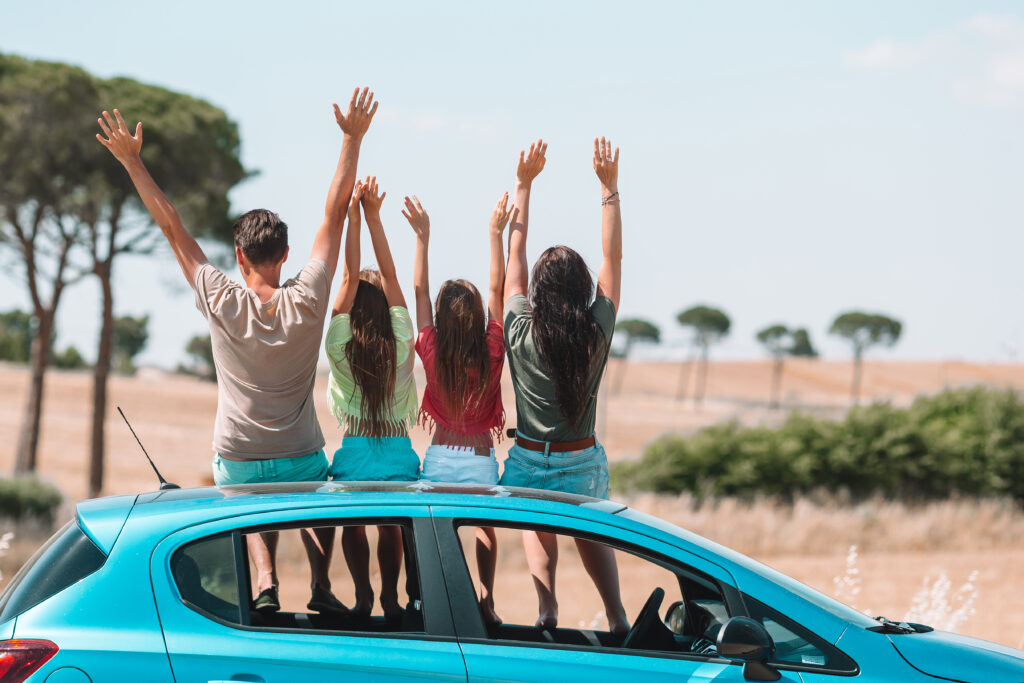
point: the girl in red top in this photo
(463, 355)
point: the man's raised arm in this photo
(126, 147)
(354, 124)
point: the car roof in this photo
(418, 492)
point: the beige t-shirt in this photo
(265, 355)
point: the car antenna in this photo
(164, 484)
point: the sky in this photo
(783, 161)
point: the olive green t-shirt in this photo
(537, 413)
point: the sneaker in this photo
(323, 601)
(267, 601)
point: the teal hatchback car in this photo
(159, 587)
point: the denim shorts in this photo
(362, 458)
(312, 467)
(582, 472)
(454, 465)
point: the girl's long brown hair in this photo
(460, 331)
(565, 333)
(372, 356)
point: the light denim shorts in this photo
(312, 467)
(582, 472)
(362, 458)
(455, 465)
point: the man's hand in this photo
(499, 218)
(531, 163)
(353, 204)
(123, 145)
(417, 217)
(361, 109)
(606, 166)
(370, 198)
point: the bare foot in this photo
(618, 624)
(490, 616)
(363, 606)
(547, 617)
(392, 610)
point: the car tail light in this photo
(20, 658)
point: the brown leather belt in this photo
(553, 446)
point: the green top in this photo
(537, 413)
(343, 396)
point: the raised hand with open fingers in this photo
(531, 162)
(501, 214)
(371, 197)
(121, 143)
(361, 109)
(417, 217)
(606, 165)
(353, 204)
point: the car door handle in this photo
(247, 678)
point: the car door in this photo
(569, 655)
(209, 638)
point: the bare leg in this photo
(542, 556)
(319, 544)
(486, 562)
(357, 556)
(599, 561)
(262, 550)
(389, 556)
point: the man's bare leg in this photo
(262, 550)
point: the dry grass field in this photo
(899, 546)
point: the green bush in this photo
(26, 496)
(968, 441)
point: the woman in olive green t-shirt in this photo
(557, 344)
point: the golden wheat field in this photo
(899, 547)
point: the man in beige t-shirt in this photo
(266, 340)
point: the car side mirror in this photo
(675, 617)
(742, 639)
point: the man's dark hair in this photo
(262, 236)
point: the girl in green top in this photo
(557, 343)
(372, 393)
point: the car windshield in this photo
(830, 605)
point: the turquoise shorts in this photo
(582, 472)
(312, 467)
(362, 458)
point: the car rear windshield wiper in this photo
(886, 625)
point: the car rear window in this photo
(68, 557)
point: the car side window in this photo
(205, 572)
(796, 645)
(670, 608)
(217, 577)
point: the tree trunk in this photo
(28, 440)
(621, 370)
(702, 378)
(857, 369)
(684, 378)
(99, 387)
(776, 382)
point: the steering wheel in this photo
(647, 618)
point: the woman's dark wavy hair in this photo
(372, 355)
(460, 331)
(565, 333)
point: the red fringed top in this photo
(489, 416)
